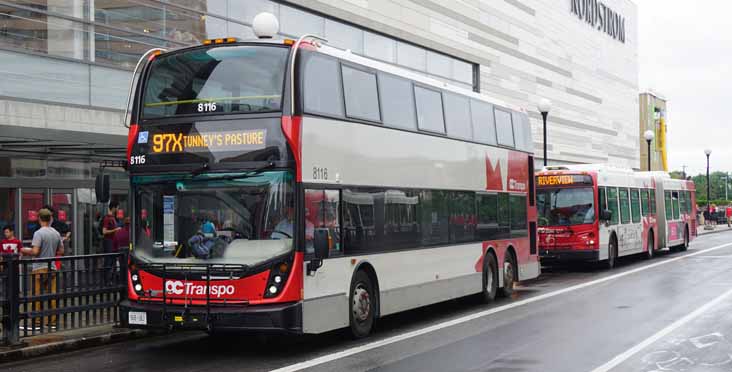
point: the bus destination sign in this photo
(563, 180)
(220, 141)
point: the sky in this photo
(685, 53)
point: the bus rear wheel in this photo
(651, 246)
(490, 278)
(685, 246)
(362, 305)
(509, 276)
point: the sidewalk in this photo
(70, 340)
(719, 228)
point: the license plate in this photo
(136, 317)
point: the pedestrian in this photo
(46, 243)
(63, 230)
(109, 229)
(10, 244)
(728, 213)
(122, 241)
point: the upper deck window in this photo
(362, 99)
(504, 128)
(323, 89)
(430, 116)
(229, 79)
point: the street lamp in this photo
(544, 106)
(708, 152)
(649, 137)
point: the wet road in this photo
(673, 313)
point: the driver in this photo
(284, 229)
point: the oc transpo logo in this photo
(177, 287)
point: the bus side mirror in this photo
(101, 188)
(321, 241)
(606, 215)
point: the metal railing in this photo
(41, 296)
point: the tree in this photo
(679, 175)
(718, 180)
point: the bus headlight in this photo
(277, 279)
(272, 289)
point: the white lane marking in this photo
(662, 333)
(390, 340)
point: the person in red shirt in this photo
(728, 213)
(10, 244)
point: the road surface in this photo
(672, 313)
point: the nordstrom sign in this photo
(601, 17)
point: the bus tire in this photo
(509, 275)
(651, 246)
(612, 253)
(683, 247)
(490, 278)
(362, 305)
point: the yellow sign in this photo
(164, 143)
(563, 180)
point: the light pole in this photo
(708, 152)
(544, 106)
(649, 137)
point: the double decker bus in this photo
(282, 185)
(597, 213)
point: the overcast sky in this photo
(685, 51)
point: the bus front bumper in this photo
(276, 318)
(556, 256)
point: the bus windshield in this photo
(225, 79)
(241, 219)
(565, 206)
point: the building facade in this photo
(653, 117)
(66, 69)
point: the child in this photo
(10, 244)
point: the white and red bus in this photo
(597, 213)
(285, 185)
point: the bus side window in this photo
(487, 216)
(612, 204)
(601, 201)
(635, 205)
(645, 203)
(669, 206)
(652, 196)
(322, 211)
(504, 217)
(675, 200)
(624, 206)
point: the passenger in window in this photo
(285, 228)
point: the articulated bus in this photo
(597, 213)
(286, 185)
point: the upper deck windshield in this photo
(222, 219)
(565, 206)
(225, 79)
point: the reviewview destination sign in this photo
(601, 17)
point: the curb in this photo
(715, 231)
(25, 353)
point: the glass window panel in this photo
(624, 205)
(484, 126)
(397, 102)
(296, 23)
(322, 86)
(379, 47)
(439, 64)
(669, 206)
(323, 212)
(435, 217)
(675, 204)
(462, 71)
(32, 201)
(63, 217)
(601, 199)
(635, 205)
(429, 110)
(612, 205)
(245, 11)
(122, 48)
(42, 78)
(462, 216)
(645, 203)
(8, 208)
(37, 32)
(520, 131)
(518, 216)
(109, 87)
(362, 99)
(504, 128)
(205, 6)
(411, 56)
(457, 116)
(653, 201)
(344, 36)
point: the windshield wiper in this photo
(249, 174)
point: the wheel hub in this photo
(361, 306)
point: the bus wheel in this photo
(362, 305)
(612, 254)
(509, 276)
(685, 246)
(490, 278)
(651, 246)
